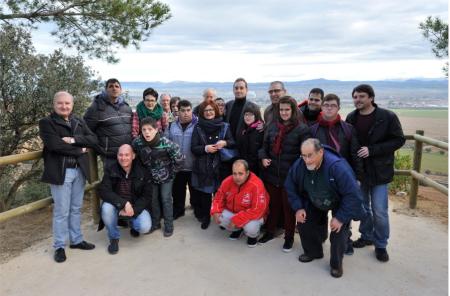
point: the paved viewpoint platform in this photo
(198, 262)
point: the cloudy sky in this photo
(281, 40)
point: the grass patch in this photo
(433, 161)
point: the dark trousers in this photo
(202, 206)
(311, 235)
(279, 206)
(183, 179)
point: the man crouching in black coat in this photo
(126, 191)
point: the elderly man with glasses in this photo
(320, 181)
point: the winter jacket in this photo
(176, 134)
(56, 152)
(250, 201)
(111, 123)
(276, 172)
(349, 146)
(341, 179)
(163, 161)
(141, 188)
(229, 107)
(206, 166)
(385, 137)
(309, 116)
(249, 142)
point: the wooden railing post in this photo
(95, 200)
(417, 161)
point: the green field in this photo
(433, 161)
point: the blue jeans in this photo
(68, 201)
(110, 215)
(162, 199)
(375, 226)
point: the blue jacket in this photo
(342, 181)
(176, 134)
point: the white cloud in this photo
(286, 40)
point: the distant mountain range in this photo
(392, 93)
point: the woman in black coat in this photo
(250, 138)
(281, 148)
(209, 136)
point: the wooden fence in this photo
(414, 173)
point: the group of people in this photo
(286, 169)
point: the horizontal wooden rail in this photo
(429, 182)
(431, 141)
(31, 207)
(16, 158)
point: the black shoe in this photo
(178, 215)
(361, 243)
(222, 228)
(266, 238)
(381, 254)
(235, 234)
(134, 232)
(60, 255)
(349, 251)
(113, 247)
(336, 272)
(205, 222)
(288, 243)
(306, 258)
(168, 233)
(251, 242)
(154, 228)
(84, 245)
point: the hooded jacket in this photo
(341, 179)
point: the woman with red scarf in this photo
(281, 148)
(250, 139)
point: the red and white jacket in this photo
(250, 201)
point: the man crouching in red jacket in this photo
(241, 203)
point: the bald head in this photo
(125, 157)
(63, 104)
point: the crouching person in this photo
(241, 203)
(126, 191)
(322, 180)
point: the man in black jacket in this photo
(110, 118)
(235, 108)
(66, 168)
(311, 107)
(126, 191)
(380, 134)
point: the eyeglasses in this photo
(308, 156)
(329, 106)
(208, 110)
(277, 90)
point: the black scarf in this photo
(210, 126)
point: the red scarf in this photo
(282, 131)
(333, 135)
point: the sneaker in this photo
(84, 245)
(288, 243)
(134, 232)
(361, 243)
(381, 254)
(60, 255)
(306, 258)
(336, 272)
(266, 238)
(251, 242)
(113, 247)
(235, 235)
(168, 233)
(349, 251)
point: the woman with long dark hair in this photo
(210, 135)
(281, 147)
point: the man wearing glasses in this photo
(320, 181)
(311, 107)
(331, 130)
(276, 91)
